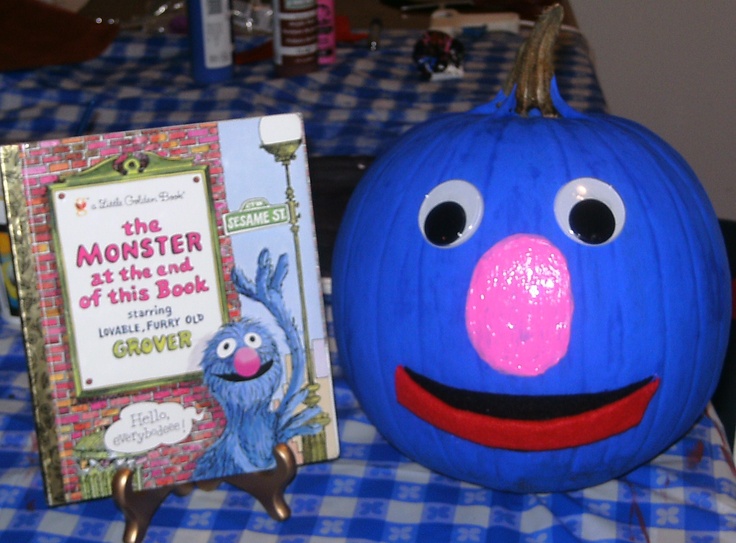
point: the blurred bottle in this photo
(326, 42)
(210, 35)
(294, 37)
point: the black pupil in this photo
(592, 221)
(445, 223)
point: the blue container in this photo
(210, 34)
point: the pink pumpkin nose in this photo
(247, 362)
(519, 306)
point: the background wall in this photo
(671, 66)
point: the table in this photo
(355, 107)
(352, 110)
(373, 493)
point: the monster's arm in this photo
(268, 290)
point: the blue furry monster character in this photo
(243, 370)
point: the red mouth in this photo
(524, 423)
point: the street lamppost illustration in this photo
(281, 136)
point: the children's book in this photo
(170, 299)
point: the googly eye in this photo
(450, 213)
(590, 211)
(226, 348)
(253, 340)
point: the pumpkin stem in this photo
(534, 66)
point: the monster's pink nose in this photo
(247, 362)
(519, 306)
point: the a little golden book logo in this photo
(81, 206)
(255, 213)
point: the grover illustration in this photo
(243, 370)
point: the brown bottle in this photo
(295, 37)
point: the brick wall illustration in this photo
(81, 421)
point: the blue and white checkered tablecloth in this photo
(372, 493)
(356, 106)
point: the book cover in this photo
(170, 299)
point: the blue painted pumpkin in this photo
(531, 303)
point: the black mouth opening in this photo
(236, 378)
(533, 408)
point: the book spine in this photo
(11, 174)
